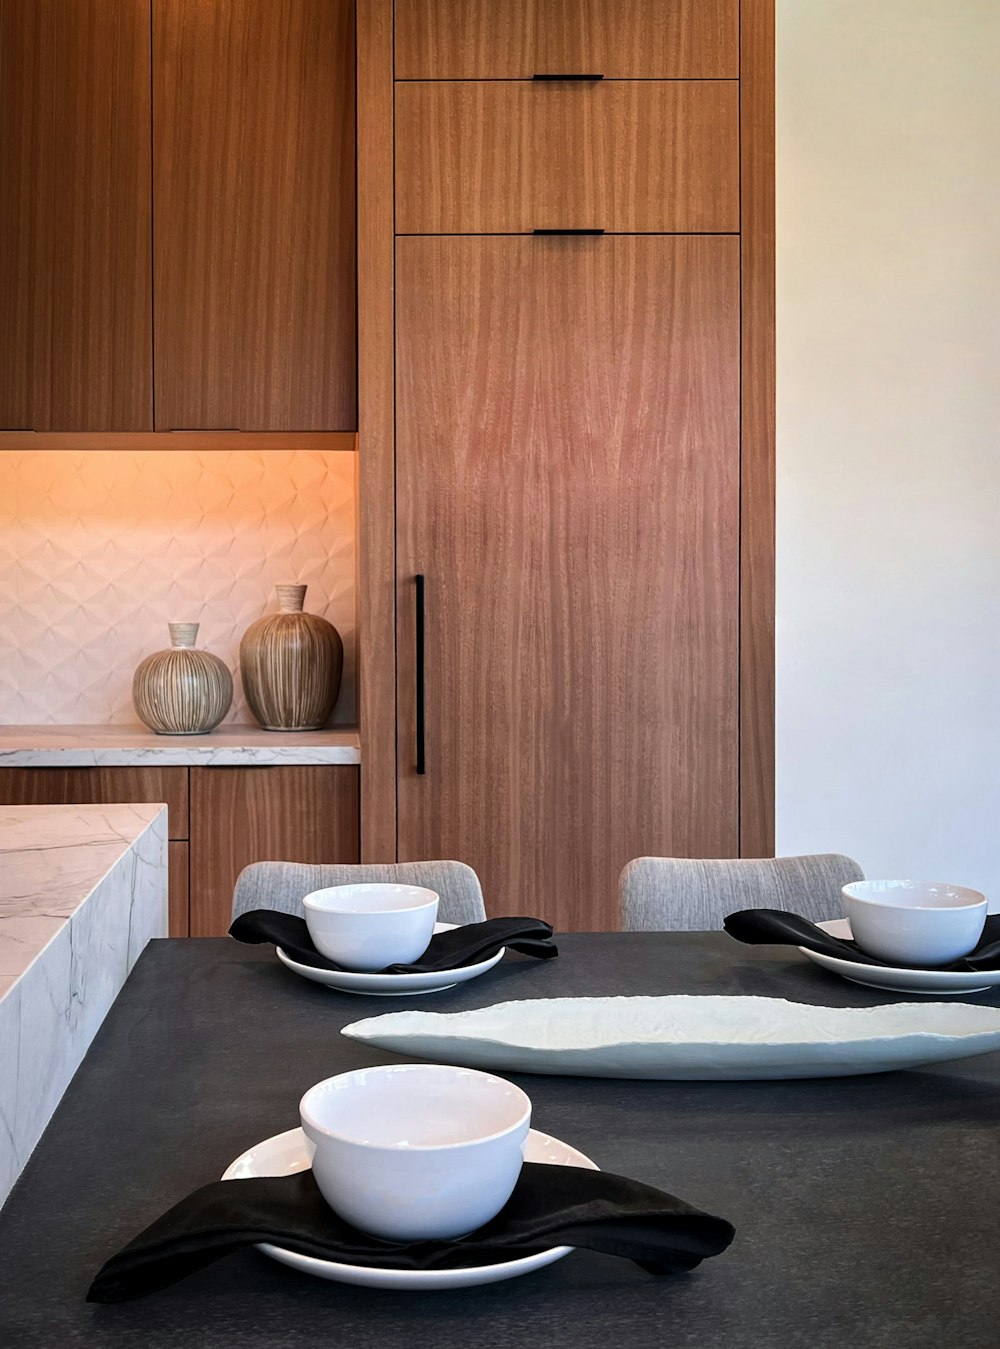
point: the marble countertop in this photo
(116, 746)
(83, 889)
(51, 859)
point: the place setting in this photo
(902, 936)
(384, 940)
(414, 1177)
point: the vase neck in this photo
(291, 598)
(183, 634)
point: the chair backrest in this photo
(283, 885)
(679, 894)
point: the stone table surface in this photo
(865, 1207)
(82, 889)
(114, 746)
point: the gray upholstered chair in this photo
(283, 885)
(679, 894)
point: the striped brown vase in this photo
(182, 691)
(291, 663)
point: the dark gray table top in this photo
(866, 1208)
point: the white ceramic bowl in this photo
(914, 922)
(414, 1151)
(368, 926)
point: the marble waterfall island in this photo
(82, 890)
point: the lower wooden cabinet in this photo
(100, 786)
(177, 888)
(219, 821)
(244, 815)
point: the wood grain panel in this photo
(177, 877)
(459, 40)
(254, 225)
(568, 482)
(100, 786)
(758, 433)
(515, 39)
(626, 155)
(376, 436)
(177, 440)
(244, 815)
(21, 170)
(75, 272)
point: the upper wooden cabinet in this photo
(253, 143)
(515, 39)
(237, 214)
(632, 156)
(75, 285)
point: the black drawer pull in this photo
(567, 77)
(567, 231)
(419, 653)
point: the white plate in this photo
(289, 1152)
(950, 983)
(392, 985)
(711, 1037)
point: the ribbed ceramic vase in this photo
(182, 691)
(290, 664)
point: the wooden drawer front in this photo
(515, 39)
(100, 786)
(626, 156)
(244, 815)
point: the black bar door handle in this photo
(567, 77)
(419, 654)
(567, 231)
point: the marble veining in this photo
(82, 890)
(119, 746)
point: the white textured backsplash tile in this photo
(99, 550)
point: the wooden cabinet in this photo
(568, 483)
(244, 815)
(515, 39)
(208, 147)
(108, 786)
(253, 154)
(75, 273)
(236, 816)
(177, 888)
(100, 786)
(575, 435)
(649, 156)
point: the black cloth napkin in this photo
(775, 927)
(447, 950)
(550, 1206)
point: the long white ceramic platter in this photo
(711, 1037)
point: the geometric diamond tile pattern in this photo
(100, 550)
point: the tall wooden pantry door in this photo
(568, 488)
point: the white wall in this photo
(888, 648)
